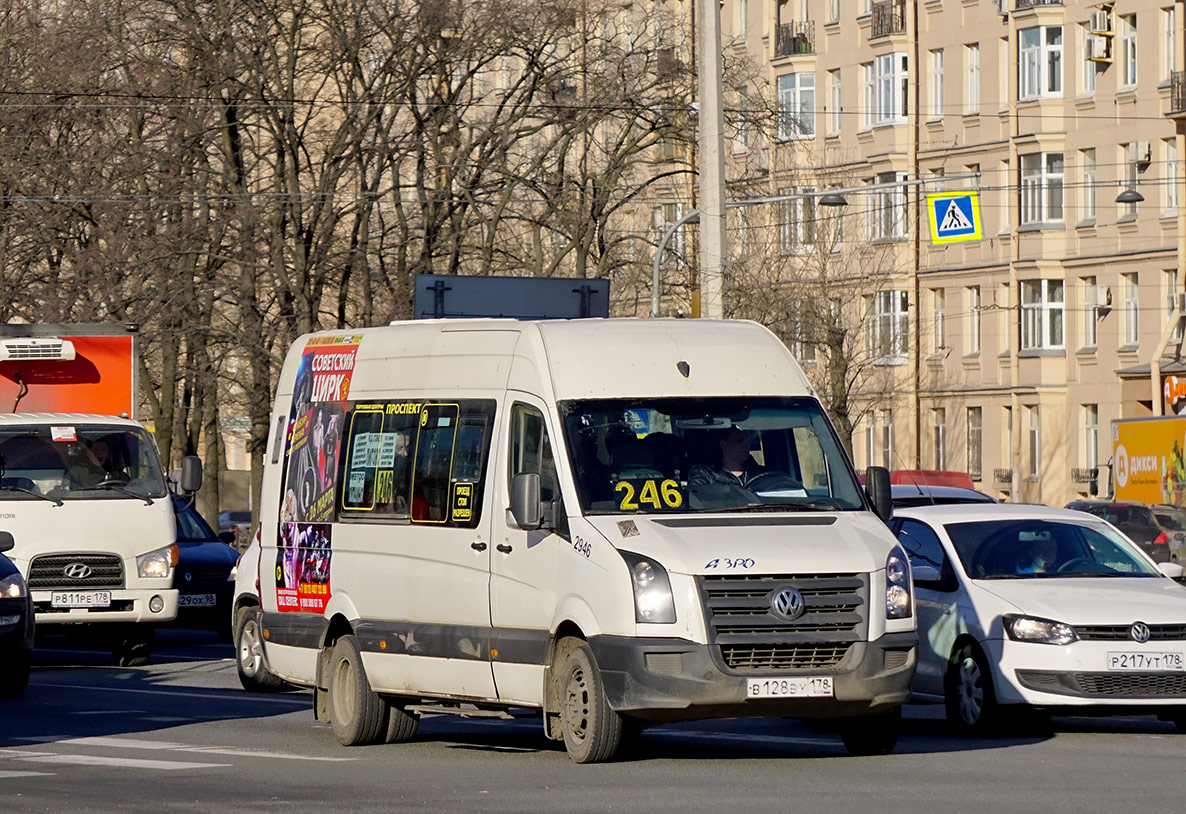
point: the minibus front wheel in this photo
(592, 730)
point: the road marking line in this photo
(169, 656)
(165, 746)
(109, 712)
(6, 775)
(294, 702)
(125, 762)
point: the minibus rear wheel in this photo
(592, 730)
(358, 715)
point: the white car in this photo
(1028, 606)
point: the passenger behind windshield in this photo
(716, 454)
(1036, 549)
(67, 462)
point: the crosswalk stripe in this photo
(6, 775)
(294, 701)
(123, 762)
(166, 746)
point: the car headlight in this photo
(12, 587)
(157, 563)
(897, 585)
(1040, 631)
(653, 602)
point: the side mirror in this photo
(877, 487)
(191, 473)
(7, 543)
(1173, 570)
(227, 537)
(934, 578)
(525, 500)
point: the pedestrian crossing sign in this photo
(954, 216)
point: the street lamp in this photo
(1129, 196)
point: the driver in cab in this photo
(97, 466)
(737, 467)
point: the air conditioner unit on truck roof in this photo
(34, 349)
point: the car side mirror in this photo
(227, 537)
(7, 543)
(525, 500)
(191, 473)
(1173, 570)
(877, 487)
(933, 578)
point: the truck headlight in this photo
(157, 563)
(897, 585)
(12, 587)
(653, 602)
(1039, 631)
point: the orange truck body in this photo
(100, 379)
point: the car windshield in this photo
(1120, 515)
(78, 462)
(677, 455)
(1172, 520)
(1035, 549)
(191, 527)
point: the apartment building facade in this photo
(1007, 357)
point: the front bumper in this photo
(127, 605)
(1077, 675)
(676, 679)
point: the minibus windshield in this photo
(78, 462)
(673, 455)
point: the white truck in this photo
(616, 523)
(82, 489)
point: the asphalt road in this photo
(180, 735)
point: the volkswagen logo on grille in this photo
(1139, 632)
(787, 603)
(77, 570)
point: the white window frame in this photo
(1035, 439)
(1171, 168)
(1131, 299)
(1087, 74)
(833, 11)
(939, 427)
(796, 106)
(1128, 51)
(1169, 62)
(974, 297)
(742, 18)
(887, 209)
(887, 438)
(797, 224)
(868, 96)
(1090, 293)
(1090, 182)
(1170, 291)
(889, 329)
(1043, 303)
(939, 299)
(936, 62)
(972, 57)
(835, 108)
(1129, 169)
(1042, 185)
(975, 422)
(1039, 61)
(1091, 436)
(891, 76)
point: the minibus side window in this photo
(531, 449)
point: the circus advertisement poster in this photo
(303, 567)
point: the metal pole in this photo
(712, 161)
(692, 216)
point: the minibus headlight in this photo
(1039, 631)
(653, 602)
(157, 563)
(897, 585)
(12, 587)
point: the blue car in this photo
(202, 575)
(16, 625)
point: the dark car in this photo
(905, 495)
(202, 575)
(16, 625)
(1134, 519)
(1172, 520)
(238, 525)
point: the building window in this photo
(1041, 314)
(1007, 423)
(1169, 62)
(1129, 170)
(940, 300)
(833, 11)
(868, 96)
(796, 106)
(890, 102)
(1090, 311)
(742, 18)
(887, 336)
(1132, 332)
(937, 84)
(1035, 440)
(1087, 158)
(975, 442)
(1128, 50)
(887, 212)
(1087, 67)
(1040, 70)
(1006, 195)
(1169, 149)
(974, 306)
(972, 53)
(835, 109)
(1041, 188)
(796, 220)
(1091, 436)
(939, 428)
(1170, 283)
(870, 440)
(887, 439)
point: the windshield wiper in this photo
(23, 490)
(117, 488)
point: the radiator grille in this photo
(1117, 633)
(48, 572)
(751, 638)
(1141, 685)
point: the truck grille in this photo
(751, 638)
(1143, 685)
(48, 572)
(1119, 633)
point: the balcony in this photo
(795, 38)
(1178, 95)
(889, 17)
(1024, 4)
